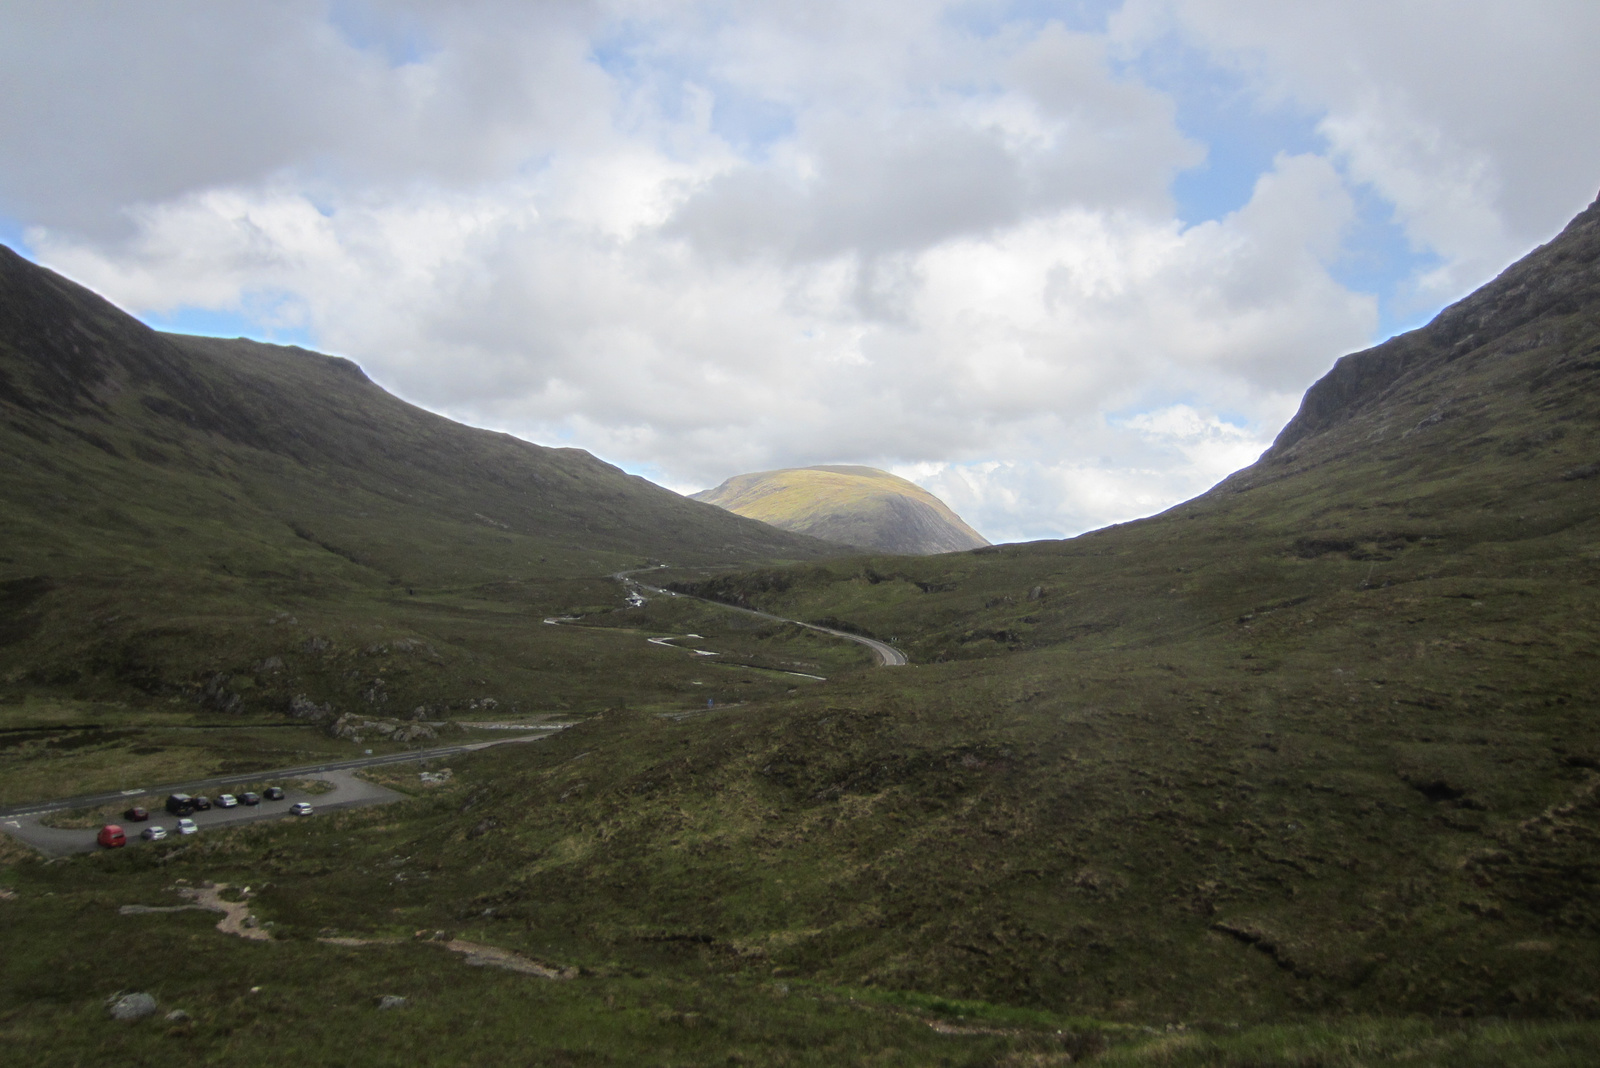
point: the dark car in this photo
(180, 804)
(201, 804)
(250, 798)
(136, 815)
(273, 793)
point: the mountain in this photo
(180, 490)
(1303, 771)
(1319, 742)
(858, 506)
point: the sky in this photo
(1062, 263)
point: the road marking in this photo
(131, 793)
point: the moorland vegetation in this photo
(1303, 771)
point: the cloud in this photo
(699, 240)
(1462, 116)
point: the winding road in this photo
(888, 655)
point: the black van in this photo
(180, 805)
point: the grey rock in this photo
(177, 1016)
(391, 1001)
(303, 707)
(131, 1007)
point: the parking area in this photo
(347, 792)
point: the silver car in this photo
(300, 808)
(186, 826)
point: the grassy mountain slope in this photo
(1317, 748)
(181, 511)
(851, 505)
(1322, 740)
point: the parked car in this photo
(250, 798)
(136, 815)
(201, 803)
(154, 833)
(301, 808)
(186, 826)
(180, 804)
(111, 836)
(227, 801)
(273, 793)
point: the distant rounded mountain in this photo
(858, 506)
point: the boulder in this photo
(131, 1007)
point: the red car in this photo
(136, 815)
(111, 836)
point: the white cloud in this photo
(1470, 118)
(700, 240)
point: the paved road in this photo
(23, 821)
(888, 655)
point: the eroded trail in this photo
(886, 654)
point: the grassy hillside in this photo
(1304, 771)
(224, 527)
(1321, 741)
(858, 506)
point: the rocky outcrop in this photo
(357, 728)
(1555, 279)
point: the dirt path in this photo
(236, 917)
(476, 955)
(238, 920)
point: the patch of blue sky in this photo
(14, 235)
(220, 322)
(1216, 107)
(989, 18)
(747, 121)
(1378, 258)
(395, 35)
(750, 123)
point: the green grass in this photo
(1304, 771)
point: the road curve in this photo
(888, 655)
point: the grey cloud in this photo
(110, 104)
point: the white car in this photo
(154, 833)
(186, 826)
(300, 808)
(227, 801)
